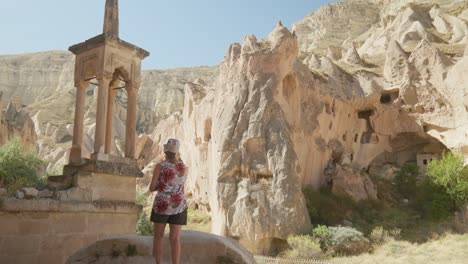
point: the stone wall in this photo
(49, 231)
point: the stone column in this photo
(110, 120)
(130, 131)
(75, 152)
(101, 115)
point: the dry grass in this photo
(451, 249)
(198, 221)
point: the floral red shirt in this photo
(170, 199)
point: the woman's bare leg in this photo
(174, 237)
(158, 242)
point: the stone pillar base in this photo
(75, 155)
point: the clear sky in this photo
(177, 33)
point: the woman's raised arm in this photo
(154, 181)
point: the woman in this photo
(170, 205)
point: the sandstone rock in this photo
(30, 193)
(45, 194)
(352, 56)
(386, 171)
(17, 123)
(197, 247)
(19, 194)
(265, 157)
(352, 183)
(454, 26)
(313, 62)
(397, 70)
(334, 53)
(320, 29)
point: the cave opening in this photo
(389, 97)
(366, 135)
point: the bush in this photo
(348, 241)
(141, 197)
(18, 168)
(406, 180)
(380, 236)
(341, 240)
(437, 204)
(451, 175)
(303, 247)
(324, 236)
(144, 226)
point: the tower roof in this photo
(110, 34)
(111, 18)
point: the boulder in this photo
(19, 194)
(30, 192)
(45, 193)
(353, 183)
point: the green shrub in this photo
(348, 241)
(132, 250)
(18, 168)
(451, 175)
(141, 197)
(432, 201)
(302, 247)
(324, 236)
(144, 226)
(341, 240)
(406, 180)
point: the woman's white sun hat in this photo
(172, 146)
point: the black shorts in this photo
(177, 219)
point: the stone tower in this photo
(110, 61)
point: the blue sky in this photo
(178, 33)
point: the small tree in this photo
(450, 174)
(18, 168)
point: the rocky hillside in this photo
(41, 84)
(353, 90)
